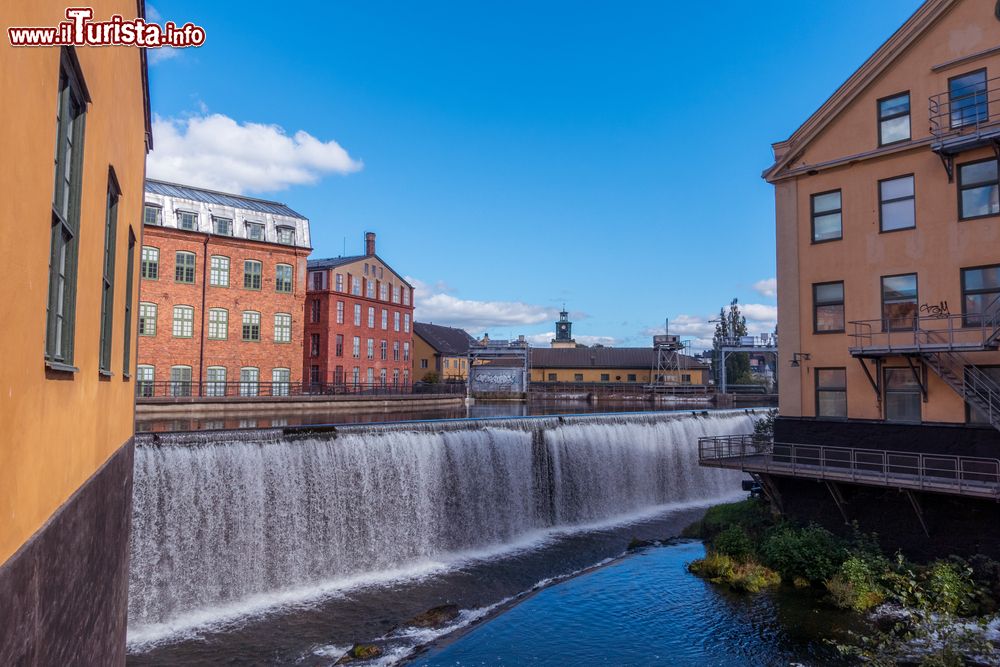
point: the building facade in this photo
(78, 122)
(564, 332)
(222, 292)
(358, 324)
(613, 365)
(888, 222)
(440, 351)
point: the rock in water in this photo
(435, 618)
(360, 652)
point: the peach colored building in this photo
(888, 254)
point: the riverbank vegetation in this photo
(936, 613)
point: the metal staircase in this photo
(974, 385)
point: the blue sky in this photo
(515, 156)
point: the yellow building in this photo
(440, 350)
(629, 365)
(68, 337)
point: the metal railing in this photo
(928, 333)
(962, 475)
(242, 390)
(971, 112)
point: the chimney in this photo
(369, 244)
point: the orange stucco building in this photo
(888, 270)
(69, 240)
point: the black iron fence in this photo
(179, 389)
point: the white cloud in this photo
(215, 151)
(767, 287)
(761, 318)
(158, 55)
(152, 14)
(435, 303)
(545, 339)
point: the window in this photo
(395, 376)
(371, 317)
(129, 281)
(340, 312)
(967, 99)
(251, 326)
(180, 380)
(314, 310)
(371, 377)
(252, 274)
(578, 377)
(447, 363)
(831, 392)
(218, 271)
(340, 345)
(314, 374)
(187, 220)
(147, 319)
(395, 321)
(183, 322)
(184, 267)
(340, 282)
(60, 317)
(902, 396)
(897, 208)
(249, 381)
(286, 235)
(899, 302)
(283, 278)
(152, 214)
(980, 291)
(552, 377)
(371, 348)
(370, 292)
(282, 328)
(631, 377)
(222, 226)
(406, 351)
(317, 279)
(381, 376)
(357, 314)
(893, 119)
(215, 384)
(406, 323)
(356, 348)
(395, 293)
(406, 376)
(395, 350)
(314, 345)
(355, 285)
(827, 224)
(605, 377)
(281, 379)
(144, 380)
(366, 268)
(385, 319)
(383, 291)
(149, 265)
(423, 363)
(255, 231)
(218, 324)
(108, 277)
(406, 297)
(828, 307)
(978, 189)
(356, 375)
(383, 350)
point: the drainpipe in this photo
(204, 325)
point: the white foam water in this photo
(232, 527)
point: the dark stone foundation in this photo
(63, 594)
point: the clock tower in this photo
(564, 331)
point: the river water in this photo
(271, 547)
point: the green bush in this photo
(753, 516)
(811, 552)
(733, 542)
(858, 584)
(948, 588)
(748, 577)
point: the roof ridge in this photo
(218, 192)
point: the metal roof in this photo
(446, 340)
(333, 262)
(603, 357)
(220, 198)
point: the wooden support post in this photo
(772, 493)
(918, 511)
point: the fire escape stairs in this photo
(973, 384)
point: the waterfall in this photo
(220, 518)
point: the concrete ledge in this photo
(170, 407)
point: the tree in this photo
(731, 324)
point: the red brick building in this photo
(222, 293)
(359, 322)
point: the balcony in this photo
(965, 117)
(910, 471)
(929, 334)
